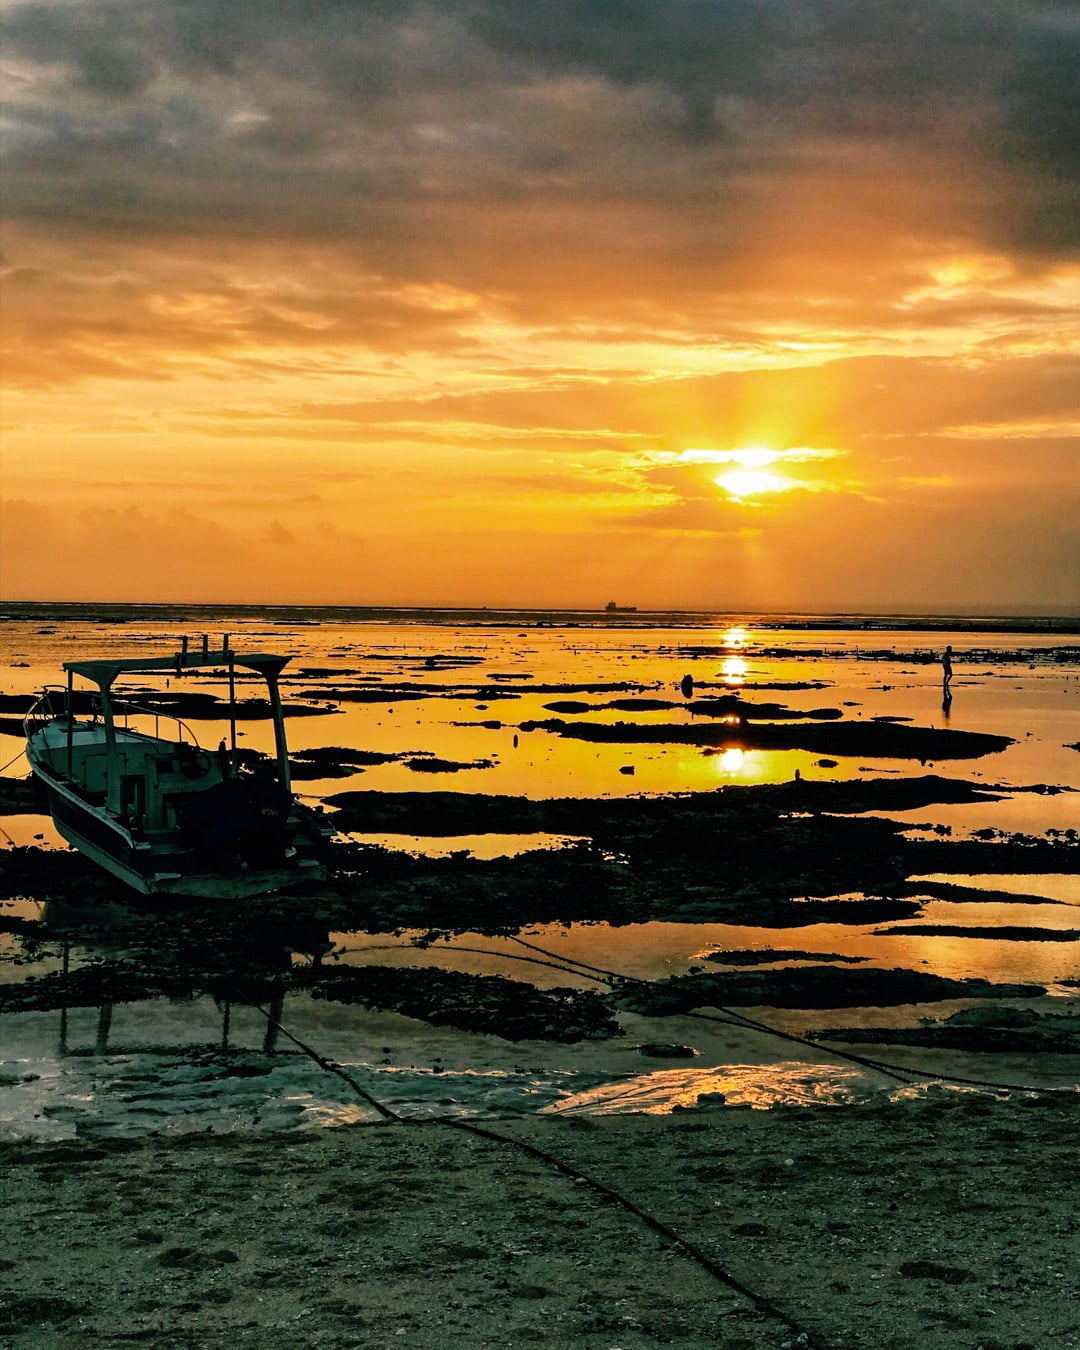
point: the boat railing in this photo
(136, 719)
(49, 708)
(87, 709)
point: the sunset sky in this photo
(697, 304)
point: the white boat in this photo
(132, 789)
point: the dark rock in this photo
(933, 1270)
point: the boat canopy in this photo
(103, 673)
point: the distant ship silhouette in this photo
(612, 608)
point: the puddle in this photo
(30, 832)
(481, 846)
(656, 951)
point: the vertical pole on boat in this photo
(284, 776)
(232, 706)
(107, 716)
(69, 713)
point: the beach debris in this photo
(666, 1050)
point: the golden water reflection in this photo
(731, 760)
(659, 950)
(755, 1085)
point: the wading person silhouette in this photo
(946, 670)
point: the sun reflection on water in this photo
(730, 761)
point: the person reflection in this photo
(946, 704)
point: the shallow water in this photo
(481, 677)
(472, 674)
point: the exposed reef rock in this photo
(486, 1003)
(983, 1028)
(885, 740)
(998, 933)
(773, 956)
(815, 987)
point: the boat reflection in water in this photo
(124, 957)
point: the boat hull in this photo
(164, 870)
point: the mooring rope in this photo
(891, 1070)
(5, 767)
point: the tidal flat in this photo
(598, 884)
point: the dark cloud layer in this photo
(363, 117)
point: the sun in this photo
(742, 483)
(751, 478)
(748, 475)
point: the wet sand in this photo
(939, 1224)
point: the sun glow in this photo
(747, 457)
(755, 456)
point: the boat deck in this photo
(55, 735)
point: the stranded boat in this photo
(132, 789)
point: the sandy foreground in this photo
(951, 1221)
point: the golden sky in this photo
(701, 304)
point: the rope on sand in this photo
(680, 1244)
